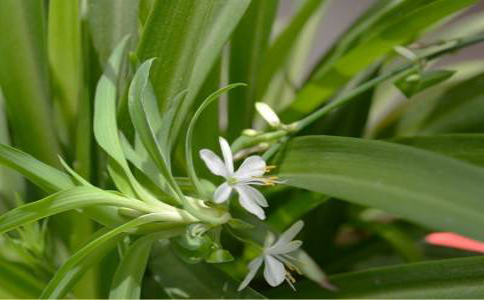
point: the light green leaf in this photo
(444, 279)
(106, 128)
(405, 25)
(24, 78)
(78, 197)
(417, 185)
(143, 124)
(129, 275)
(46, 177)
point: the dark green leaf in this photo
(458, 278)
(420, 186)
(467, 147)
(249, 43)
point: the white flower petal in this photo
(248, 203)
(222, 193)
(254, 265)
(289, 234)
(253, 166)
(285, 248)
(214, 163)
(274, 271)
(227, 154)
(267, 114)
(254, 194)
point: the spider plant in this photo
(195, 149)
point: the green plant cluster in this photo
(111, 111)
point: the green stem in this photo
(399, 72)
(352, 95)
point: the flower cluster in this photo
(276, 255)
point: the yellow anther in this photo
(289, 276)
(269, 168)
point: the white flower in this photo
(249, 173)
(276, 258)
(268, 114)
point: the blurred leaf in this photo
(280, 50)
(64, 46)
(24, 78)
(399, 239)
(19, 282)
(409, 19)
(458, 109)
(248, 45)
(109, 22)
(294, 209)
(417, 185)
(73, 198)
(417, 82)
(181, 280)
(443, 279)
(78, 263)
(467, 147)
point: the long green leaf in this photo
(106, 128)
(74, 198)
(417, 185)
(128, 278)
(64, 45)
(24, 77)
(405, 25)
(459, 278)
(173, 33)
(46, 177)
(188, 141)
(144, 125)
(129, 275)
(467, 147)
(228, 17)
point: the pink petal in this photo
(453, 240)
